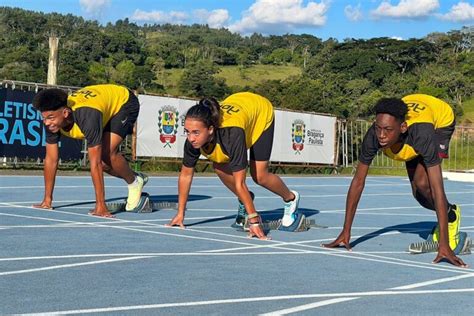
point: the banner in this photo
(160, 126)
(22, 131)
(299, 137)
(304, 138)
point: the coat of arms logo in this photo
(168, 121)
(297, 136)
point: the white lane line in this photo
(209, 177)
(133, 229)
(160, 254)
(253, 299)
(67, 225)
(247, 244)
(274, 245)
(73, 265)
(396, 262)
(340, 300)
(62, 266)
(302, 243)
(194, 186)
(438, 281)
(116, 220)
(366, 256)
(20, 203)
(305, 307)
(385, 259)
(390, 208)
(261, 197)
(166, 254)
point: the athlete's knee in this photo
(110, 156)
(421, 188)
(260, 178)
(106, 166)
(422, 193)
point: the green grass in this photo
(468, 116)
(251, 76)
(236, 76)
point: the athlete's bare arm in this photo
(184, 186)
(49, 172)
(352, 200)
(243, 194)
(95, 159)
(441, 206)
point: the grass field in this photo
(468, 116)
(236, 76)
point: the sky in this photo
(340, 19)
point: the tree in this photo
(18, 71)
(198, 81)
(123, 74)
(100, 72)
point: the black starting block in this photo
(144, 206)
(301, 224)
(463, 248)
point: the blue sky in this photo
(322, 18)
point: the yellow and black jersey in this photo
(92, 108)
(426, 114)
(244, 117)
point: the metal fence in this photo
(351, 134)
(349, 139)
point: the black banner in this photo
(22, 132)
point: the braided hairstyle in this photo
(207, 111)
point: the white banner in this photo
(299, 137)
(160, 131)
(304, 138)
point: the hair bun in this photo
(205, 103)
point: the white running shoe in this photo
(135, 192)
(291, 208)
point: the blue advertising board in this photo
(22, 132)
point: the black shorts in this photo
(262, 149)
(443, 137)
(122, 123)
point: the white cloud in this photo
(406, 9)
(94, 7)
(353, 13)
(461, 12)
(215, 18)
(398, 38)
(278, 16)
(174, 17)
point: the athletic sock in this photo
(451, 216)
(134, 183)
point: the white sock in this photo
(134, 183)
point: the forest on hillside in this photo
(344, 78)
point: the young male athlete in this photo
(223, 133)
(103, 115)
(415, 129)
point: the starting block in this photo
(301, 224)
(144, 206)
(463, 248)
